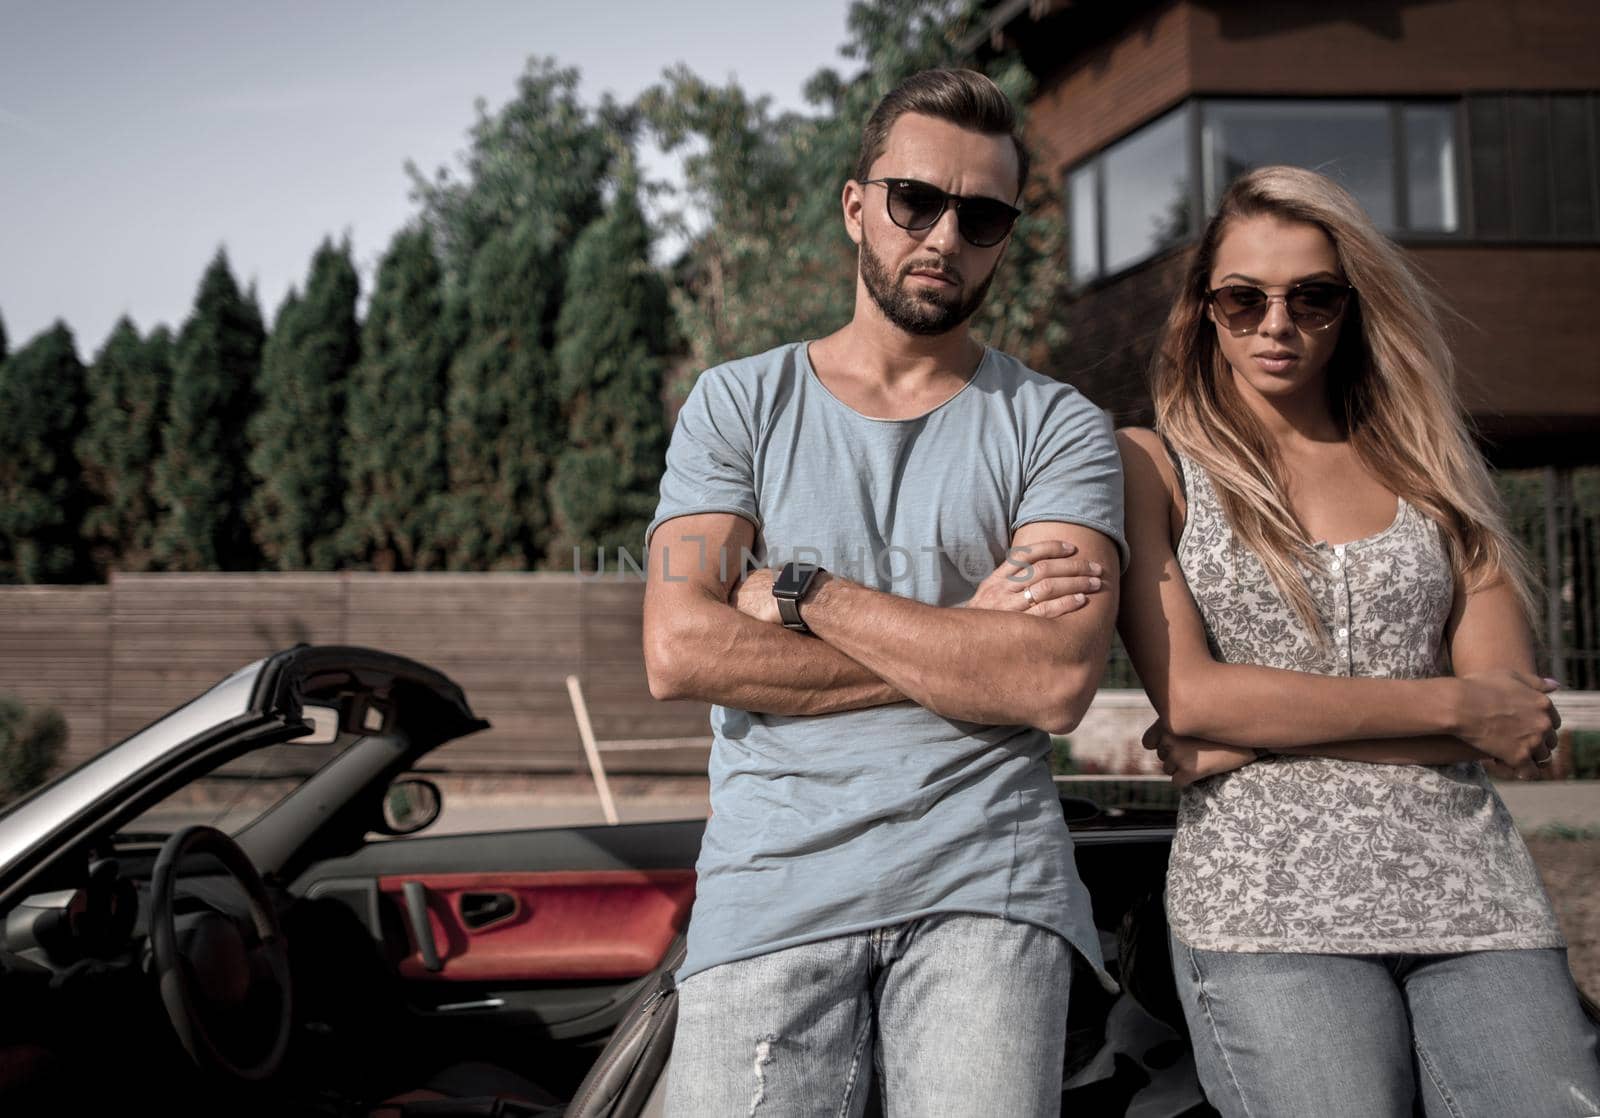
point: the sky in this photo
(137, 138)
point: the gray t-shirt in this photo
(826, 825)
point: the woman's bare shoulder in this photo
(1147, 461)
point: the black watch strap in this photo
(789, 590)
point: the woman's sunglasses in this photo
(1311, 306)
(917, 205)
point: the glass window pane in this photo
(1431, 195)
(1531, 157)
(237, 792)
(1490, 156)
(1085, 220)
(1147, 191)
(1350, 142)
(1573, 166)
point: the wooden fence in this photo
(113, 658)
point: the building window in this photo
(1432, 196)
(1535, 166)
(1146, 191)
(1350, 142)
(1083, 206)
(1139, 196)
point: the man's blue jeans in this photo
(1496, 1034)
(957, 1014)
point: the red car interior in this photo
(599, 925)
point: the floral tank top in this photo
(1311, 854)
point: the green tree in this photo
(31, 745)
(201, 482)
(42, 498)
(774, 262)
(127, 396)
(297, 503)
(530, 182)
(504, 425)
(542, 155)
(393, 446)
(3, 349)
(612, 334)
(765, 268)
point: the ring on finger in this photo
(1027, 592)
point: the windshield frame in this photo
(37, 820)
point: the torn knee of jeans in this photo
(763, 1058)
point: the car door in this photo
(483, 941)
(522, 947)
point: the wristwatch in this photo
(789, 588)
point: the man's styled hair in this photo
(965, 98)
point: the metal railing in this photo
(1555, 513)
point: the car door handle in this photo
(421, 929)
(479, 910)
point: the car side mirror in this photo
(410, 805)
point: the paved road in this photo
(1571, 803)
(462, 814)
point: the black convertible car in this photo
(307, 948)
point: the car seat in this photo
(626, 1081)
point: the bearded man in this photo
(886, 885)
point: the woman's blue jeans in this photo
(1494, 1034)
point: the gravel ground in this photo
(1571, 868)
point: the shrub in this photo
(1586, 754)
(1061, 762)
(31, 743)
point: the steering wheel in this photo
(213, 983)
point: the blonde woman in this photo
(1331, 622)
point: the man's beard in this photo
(923, 312)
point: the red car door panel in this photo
(567, 925)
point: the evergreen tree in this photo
(393, 446)
(541, 155)
(201, 482)
(297, 504)
(5, 548)
(612, 333)
(530, 182)
(127, 395)
(42, 499)
(504, 426)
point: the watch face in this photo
(793, 579)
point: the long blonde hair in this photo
(1391, 386)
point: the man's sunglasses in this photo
(917, 205)
(1311, 306)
